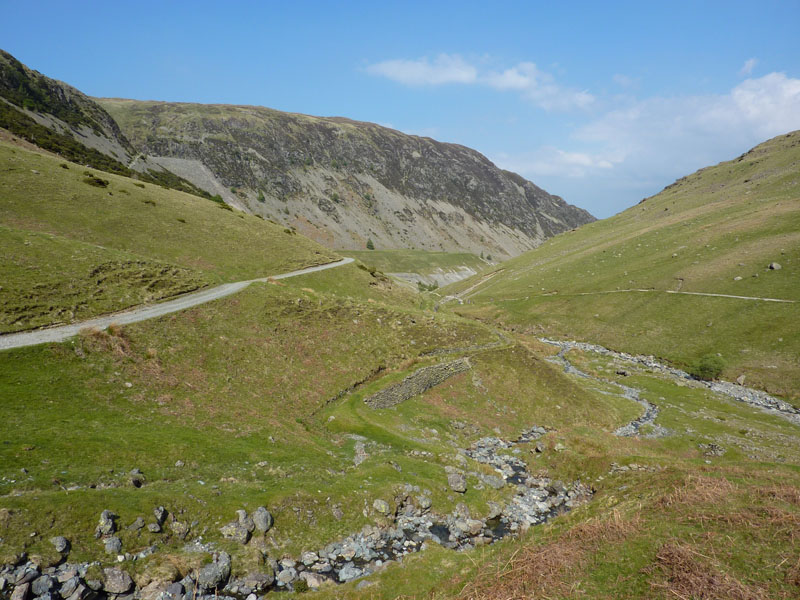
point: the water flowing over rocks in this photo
(412, 526)
(634, 428)
(740, 393)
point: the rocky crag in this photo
(344, 182)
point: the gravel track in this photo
(134, 315)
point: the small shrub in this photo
(150, 202)
(261, 197)
(181, 220)
(64, 166)
(300, 586)
(370, 245)
(141, 185)
(95, 181)
(708, 367)
(427, 287)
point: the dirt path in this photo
(651, 291)
(134, 315)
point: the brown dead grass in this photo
(541, 571)
(698, 489)
(683, 572)
(113, 340)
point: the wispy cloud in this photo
(748, 66)
(445, 68)
(526, 78)
(550, 161)
(650, 142)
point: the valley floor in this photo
(259, 400)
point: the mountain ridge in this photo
(354, 179)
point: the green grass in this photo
(58, 230)
(416, 261)
(246, 392)
(725, 222)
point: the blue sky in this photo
(603, 103)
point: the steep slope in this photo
(631, 282)
(57, 117)
(343, 182)
(78, 242)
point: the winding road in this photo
(134, 315)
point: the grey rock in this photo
(286, 576)
(424, 502)
(175, 589)
(234, 531)
(60, 543)
(107, 524)
(154, 528)
(179, 463)
(309, 558)
(773, 266)
(116, 581)
(21, 591)
(262, 519)
(214, 575)
(80, 593)
(113, 545)
(245, 521)
(314, 580)
(69, 586)
(136, 525)
(259, 582)
(160, 513)
(457, 482)
(381, 506)
(94, 584)
(349, 572)
(43, 585)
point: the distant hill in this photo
(344, 182)
(57, 117)
(629, 282)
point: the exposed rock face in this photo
(343, 182)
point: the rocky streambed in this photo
(740, 393)
(412, 526)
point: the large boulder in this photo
(457, 482)
(214, 575)
(262, 519)
(116, 581)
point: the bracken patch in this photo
(683, 572)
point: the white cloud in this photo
(635, 150)
(748, 66)
(685, 130)
(526, 78)
(445, 68)
(550, 161)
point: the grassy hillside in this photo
(713, 232)
(79, 242)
